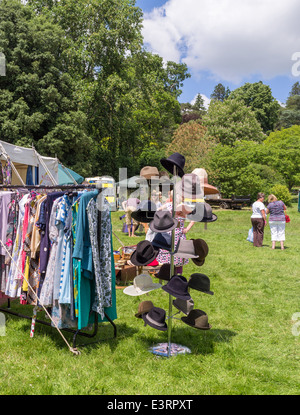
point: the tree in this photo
(230, 121)
(190, 140)
(243, 169)
(199, 105)
(284, 146)
(295, 89)
(220, 93)
(259, 98)
(290, 114)
(193, 112)
(37, 101)
(129, 95)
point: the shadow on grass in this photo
(200, 342)
(103, 335)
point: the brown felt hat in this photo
(201, 249)
(148, 173)
(144, 307)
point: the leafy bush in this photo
(282, 193)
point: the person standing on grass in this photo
(276, 209)
(129, 206)
(258, 219)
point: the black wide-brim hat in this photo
(145, 213)
(202, 213)
(177, 160)
(144, 254)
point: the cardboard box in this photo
(126, 273)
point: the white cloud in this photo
(229, 39)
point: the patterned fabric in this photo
(61, 215)
(31, 273)
(5, 172)
(101, 254)
(46, 294)
(5, 228)
(13, 286)
(165, 256)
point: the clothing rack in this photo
(20, 315)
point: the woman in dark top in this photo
(276, 209)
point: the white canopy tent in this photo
(21, 158)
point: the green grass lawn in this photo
(250, 349)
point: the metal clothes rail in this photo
(20, 315)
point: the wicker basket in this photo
(126, 251)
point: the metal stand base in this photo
(76, 332)
(162, 349)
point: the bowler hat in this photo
(144, 254)
(201, 249)
(156, 318)
(186, 249)
(145, 213)
(177, 287)
(202, 213)
(164, 272)
(142, 284)
(185, 306)
(163, 222)
(144, 307)
(197, 319)
(200, 282)
(176, 160)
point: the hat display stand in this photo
(158, 318)
(170, 349)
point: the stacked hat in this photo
(200, 282)
(189, 190)
(142, 284)
(178, 287)
(156, 318)
(176, 161)
(144, 307)
(201, 249)
(185, 306)
(202, 213)
(163, 222)
(145, 213)
(144, 254)
(197, 319)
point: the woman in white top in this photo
(258, 219)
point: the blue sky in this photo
(227, 41)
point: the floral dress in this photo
(100, 231)
(164, 256)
